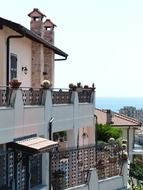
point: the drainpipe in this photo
(50, 128)
(128, 139)
(95, 118)
(50, 138)
(7, 54)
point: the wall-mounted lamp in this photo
(25, 70)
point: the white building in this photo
(30, 115)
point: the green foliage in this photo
(105, 132)
(58, 135)
(136, 171)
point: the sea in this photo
(116, 103)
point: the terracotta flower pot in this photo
(15, 84)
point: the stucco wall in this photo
(20, 47)
(27, 120)
(2, 57)
(113, 183)
(63, 115)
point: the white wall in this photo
(63, 117)
(113, 183)
(2, 57)
(26, 120)
(22, 48)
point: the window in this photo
(13, 66)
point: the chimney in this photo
(49, 31)
(36, 24)
(109, 117)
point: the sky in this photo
(103, 38)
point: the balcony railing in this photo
(4, 96)
(85, 96)
(32, 96)
(61, 97)
(71, 167)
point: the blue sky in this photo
(104, 40)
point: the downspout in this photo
(95, 122)
(128, 139)
(7, 54)
(50, 156)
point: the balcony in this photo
(71, 167)
(74, 168)
(29, 111)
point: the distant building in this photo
(131, 111)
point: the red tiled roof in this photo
(117, 119)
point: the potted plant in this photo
(59, 180)
(46, 84)
(112, 159)
(124, 141)
(79, 87)
(86, 86)
(70, 86)
(124, 146)
(100, 164)
(124, 156)
(111, 140)
(93, 87)
(14, 83)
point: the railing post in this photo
(12, 97)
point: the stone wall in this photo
(37, 64)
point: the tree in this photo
(105, 132)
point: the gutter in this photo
(61, 59)
(8, 53)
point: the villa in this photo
(33, 154)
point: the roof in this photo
(34, 145)
(31, 35)
(36, 13)
(118, 120)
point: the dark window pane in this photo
(13, 66)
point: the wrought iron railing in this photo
(84, 96)
(61, 97)
(71, 167)
(32, 96)
(5, 93)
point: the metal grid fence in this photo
(71, 167)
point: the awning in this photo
(33, 145)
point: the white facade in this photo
(21, 48)
(28, 119)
